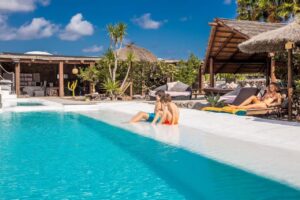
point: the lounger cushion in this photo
(171, 85)
(163, 87)
(244, 94)
(179, 87)
(173, 94)
(226, 109)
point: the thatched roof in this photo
(140, 54)
(225, 36)
(250, 28)
(274, 40)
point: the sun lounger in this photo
(244, 94)
(177, 90)
(274, 110)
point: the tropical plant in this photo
(90, 74)
(289, 9)
(187, 72)
(112, 88)
(297, 83)
(267, 10)
(72, 87)
(214, 100)
(116, 34)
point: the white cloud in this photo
(77, 28)
(6, 32)
(93, 49)
(146, 22)
(36, 29)
(227, 2)
(21, 5)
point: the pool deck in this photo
(264, 147)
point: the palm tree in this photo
(111, 33)
(248, 10)
(288, 9)
(267, 10)
(116, 33)
(109, 59)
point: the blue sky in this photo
(170, 29)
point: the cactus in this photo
(72, 87)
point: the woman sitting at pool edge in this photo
(149, 117)
(170, 114)
(271, 98)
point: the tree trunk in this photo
(127, 74)
(110, 72)
(115, 70)
(92, 87)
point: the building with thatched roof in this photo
(223, 54)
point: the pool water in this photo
(70, 156)
(29, 104)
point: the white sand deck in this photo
(264, 147)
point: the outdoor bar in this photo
(41, 74)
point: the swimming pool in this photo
(29, 104)
(56, 155)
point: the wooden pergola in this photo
(224, 56)
(18, 60)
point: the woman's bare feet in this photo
(298, 118)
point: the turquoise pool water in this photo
(69, 156)
(29, 104)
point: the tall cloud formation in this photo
(77, 28)
(38, 28)
(21, 5)
(146, 22)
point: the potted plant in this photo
(214, 100)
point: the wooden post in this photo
(289, 46)
(290, 88)
(18, 72)
(267, 72)
(61, 79)
(273, 68)
(201, 79)
(91, 85)
(211, 72)
(131, 81)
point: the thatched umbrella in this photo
(139, 55)
(286, 37)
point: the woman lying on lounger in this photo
(149, 117)
(271, 98)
